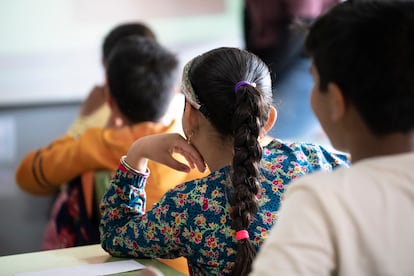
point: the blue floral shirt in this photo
(193, 219)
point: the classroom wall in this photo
(54, 47)
(23, 128)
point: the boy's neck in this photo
(369, 145)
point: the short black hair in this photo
(123, 30)
(367, 49)
(141, 76)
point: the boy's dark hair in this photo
(141, 76)
(367, 49)
(240, 115)
(123, 30)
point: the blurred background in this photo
(50, 54)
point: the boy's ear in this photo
(337, 102)
(271, 120)
(116, 118)
(108, 97)
(113, 106)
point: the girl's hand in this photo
(160, 148)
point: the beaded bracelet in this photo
(131, 169)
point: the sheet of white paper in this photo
(88, 269)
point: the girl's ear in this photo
(271, 120)
(336, 102)
(190, 118)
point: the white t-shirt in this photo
(353, 221)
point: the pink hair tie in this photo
(241, 83)
(242, 234)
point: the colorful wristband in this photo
(128, 167)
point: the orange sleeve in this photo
(42, 171)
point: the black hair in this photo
(141, 76)
(123, 30)
(367, 49)
(241, 115)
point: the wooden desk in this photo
(91, 254)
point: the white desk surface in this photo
(90, 254)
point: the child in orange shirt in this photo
(141, 76)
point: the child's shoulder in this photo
(212, 181)
(305, 152)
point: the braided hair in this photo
(239, 112)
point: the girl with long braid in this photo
(218, 222)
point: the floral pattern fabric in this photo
(193, 219)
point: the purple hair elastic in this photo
(241, 83)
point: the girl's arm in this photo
(126, 230)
